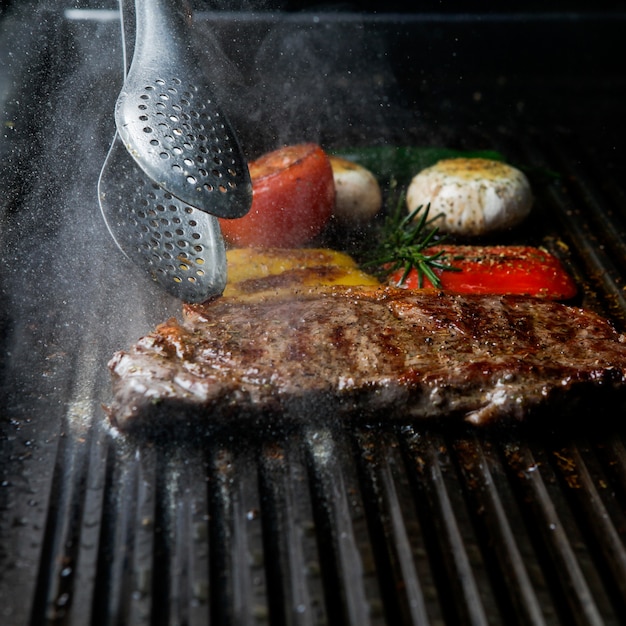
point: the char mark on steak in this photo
(362, 353)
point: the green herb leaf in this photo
(404, 239)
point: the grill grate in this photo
(328, 524)
(341, 526)
(324, 524)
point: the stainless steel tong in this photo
(175, 164)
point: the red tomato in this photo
(522, 270)
(293, 194)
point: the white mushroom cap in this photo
(358, 196)
(476, 196)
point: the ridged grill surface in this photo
(397, 523)
(355, 526)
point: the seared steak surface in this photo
(364, 352)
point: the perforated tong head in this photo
(170, 122)
(175, 165)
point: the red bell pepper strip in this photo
(522, 270)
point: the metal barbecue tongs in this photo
(175, 164)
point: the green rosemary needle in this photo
(403, 243)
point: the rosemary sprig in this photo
(404, 239)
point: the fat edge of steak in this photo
(358, 353)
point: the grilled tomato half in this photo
(293, 195)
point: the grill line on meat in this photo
(364, 352)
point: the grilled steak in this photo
(364, 352)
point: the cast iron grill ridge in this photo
(353, 525)
(399, 526)
(323, 524)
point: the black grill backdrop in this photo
(342, 524)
